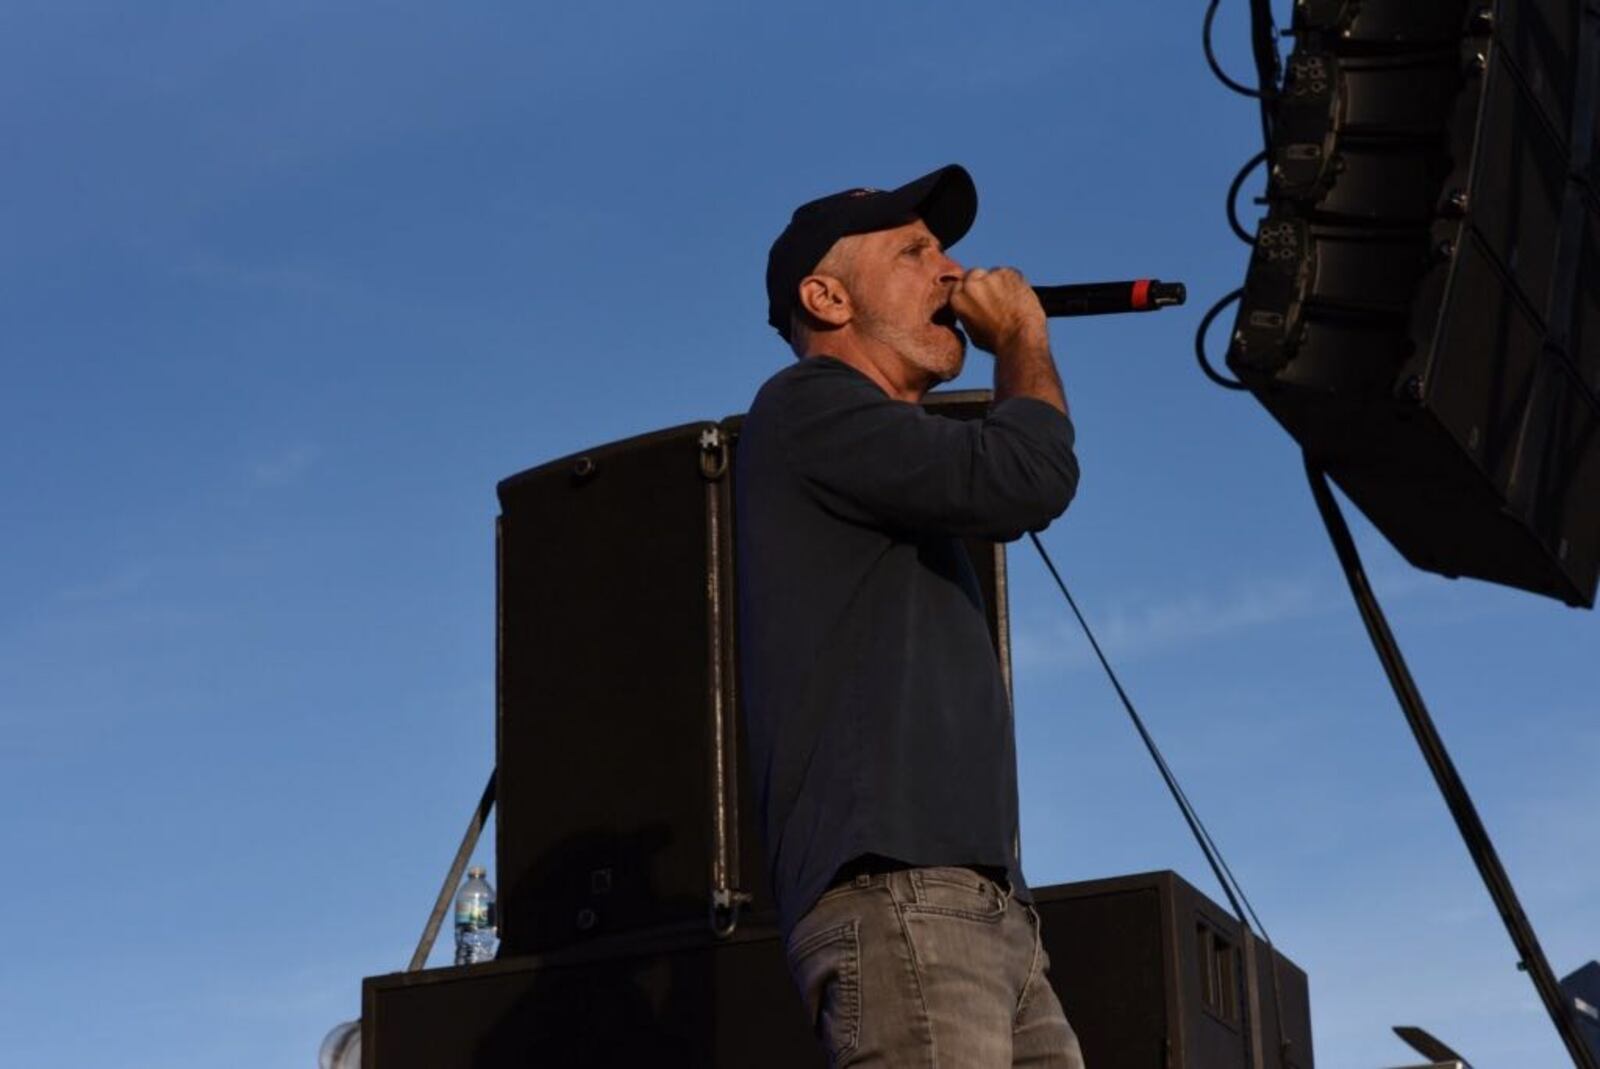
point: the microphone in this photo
(1104, 298)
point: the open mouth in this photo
(945, 316)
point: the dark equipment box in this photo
(1151, 972)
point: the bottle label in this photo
(473, 915)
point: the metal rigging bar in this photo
(1444, 773)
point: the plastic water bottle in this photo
(475, 937)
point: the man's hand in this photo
(1003, 316)
(1000, 311)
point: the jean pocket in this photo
(957, 892)
(826, 965)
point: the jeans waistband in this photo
(870, 865)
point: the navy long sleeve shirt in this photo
(876, 718)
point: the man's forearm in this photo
(1024, 368)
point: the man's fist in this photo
(999, 310)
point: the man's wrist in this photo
(1028, 344)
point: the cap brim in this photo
(946, 199)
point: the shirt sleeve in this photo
(873, 460)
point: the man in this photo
(878, 726)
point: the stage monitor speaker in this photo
(1154, 973)
(621, 802)
(685, 999)
(1422, 309)
(1151, 973)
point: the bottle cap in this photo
(477, 871)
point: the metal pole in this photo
(1444, 773)
(452, 879)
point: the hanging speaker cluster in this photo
(1422, 309)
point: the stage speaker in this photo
(1154, 973)
(622, 804)
(1151, 972)
(684, 999)
(1422, 309)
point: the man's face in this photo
(900, 286)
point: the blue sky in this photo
(287, 288)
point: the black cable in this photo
(1200, 343)
(1264, 48)
(1233, 197)
(1208, 847)
(1213, 856)
(1269, 65)
(1211, 57)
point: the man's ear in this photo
(825, 298)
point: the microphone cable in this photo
(1219, 866)
(1230, 885)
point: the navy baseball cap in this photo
(945, 199)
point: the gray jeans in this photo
(929, 967)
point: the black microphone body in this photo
(1106, 298)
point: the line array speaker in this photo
(1422, 309)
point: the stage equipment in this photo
(1422, 309)
(1153, 972)
(622, 801)
(1105, 298)
(1582, 989)
(1429, 1046)
(681, 998)
(1150, 971)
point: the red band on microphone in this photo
(1141, 295)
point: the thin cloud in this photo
(296, 279)
(119, 585)
(322, 992)
(1130, 630)
(285, 467)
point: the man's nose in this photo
(950, 271)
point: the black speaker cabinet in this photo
(1152, 974)
(661, 1000)
(621, 800)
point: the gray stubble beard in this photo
(916, 351)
